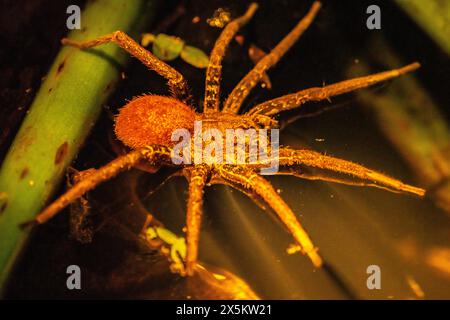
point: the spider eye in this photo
(151, 119)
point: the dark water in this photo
(353, 227)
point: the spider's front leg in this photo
(244, 87)
(151, 154)
(367, 177)
(250, 180)
(177, 84)
(197, 177)
(295, 100)
(214, 71)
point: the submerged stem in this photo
(61, 116)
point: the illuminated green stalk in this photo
(61, 116)
(433, 16)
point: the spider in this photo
(145, 125)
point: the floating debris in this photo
(220, 18)
(415, 287)
(167, 48)
(195, 57)
(293, 248)
(147, 38)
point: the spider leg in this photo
(299, 172)
(366, 176)
(240, 92)
(214, 71)
(197, 180)
(249, 179)
(295, 100)
(177, 84)
(100, 175)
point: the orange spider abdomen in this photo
(152, 119)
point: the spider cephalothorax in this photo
(146, 124)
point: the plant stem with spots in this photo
(65, 108)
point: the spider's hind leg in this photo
(177, 84)
(250, 180)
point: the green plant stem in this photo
(65, 109)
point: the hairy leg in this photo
(314, 159)
(295, 100)
(214, 71)
(197, 180)
(100, 175)
(177, 84)
(240, 92)
(251, 180)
